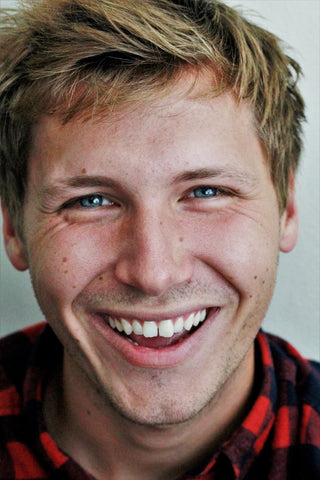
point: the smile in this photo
(157, 334)
(165, 328)
(156, 342)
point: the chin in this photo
(161, 417)
(160, 406)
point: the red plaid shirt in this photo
(278, 440)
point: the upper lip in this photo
(154, 316)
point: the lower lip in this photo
(145, 357)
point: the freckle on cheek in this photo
(66, 271)
(181, 239)
(100, 278)
(255, 277)
(64, 259)
(84, 170)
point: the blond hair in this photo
(87, 57)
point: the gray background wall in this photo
(294, 312)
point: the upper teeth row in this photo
(165, 328)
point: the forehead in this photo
(175, 130)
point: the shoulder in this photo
(17, 456)
(296, 428)
(295, 371)
(294, 439)
(15, 350)
(17, 345)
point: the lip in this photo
(145, 357)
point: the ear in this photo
(12, 242)
(289, 224)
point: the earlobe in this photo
(289, 220)
(13, 244)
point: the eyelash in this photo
(77, 202)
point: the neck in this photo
(112, 447)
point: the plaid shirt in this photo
(278, 440)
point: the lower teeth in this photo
(131, 341)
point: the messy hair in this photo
(90, 57)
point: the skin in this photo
(152, 251)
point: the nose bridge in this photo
(155, 240)
(152, 259)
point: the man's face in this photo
(154, 220)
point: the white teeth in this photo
(150, 329)
(127, 327)
(196, 319)
(112, 323)
(167, 328)
(179, 325)
(134, 343)
(189, 322)
(119, 325)
(137, 327)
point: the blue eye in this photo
(205, 192)
(93, 201)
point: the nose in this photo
(151, 255)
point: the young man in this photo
(148, 153)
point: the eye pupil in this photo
(91, 201)
(204, 192)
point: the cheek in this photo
(64, 262)
(242, 249)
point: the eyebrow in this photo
(78, 181)
(225, 173)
